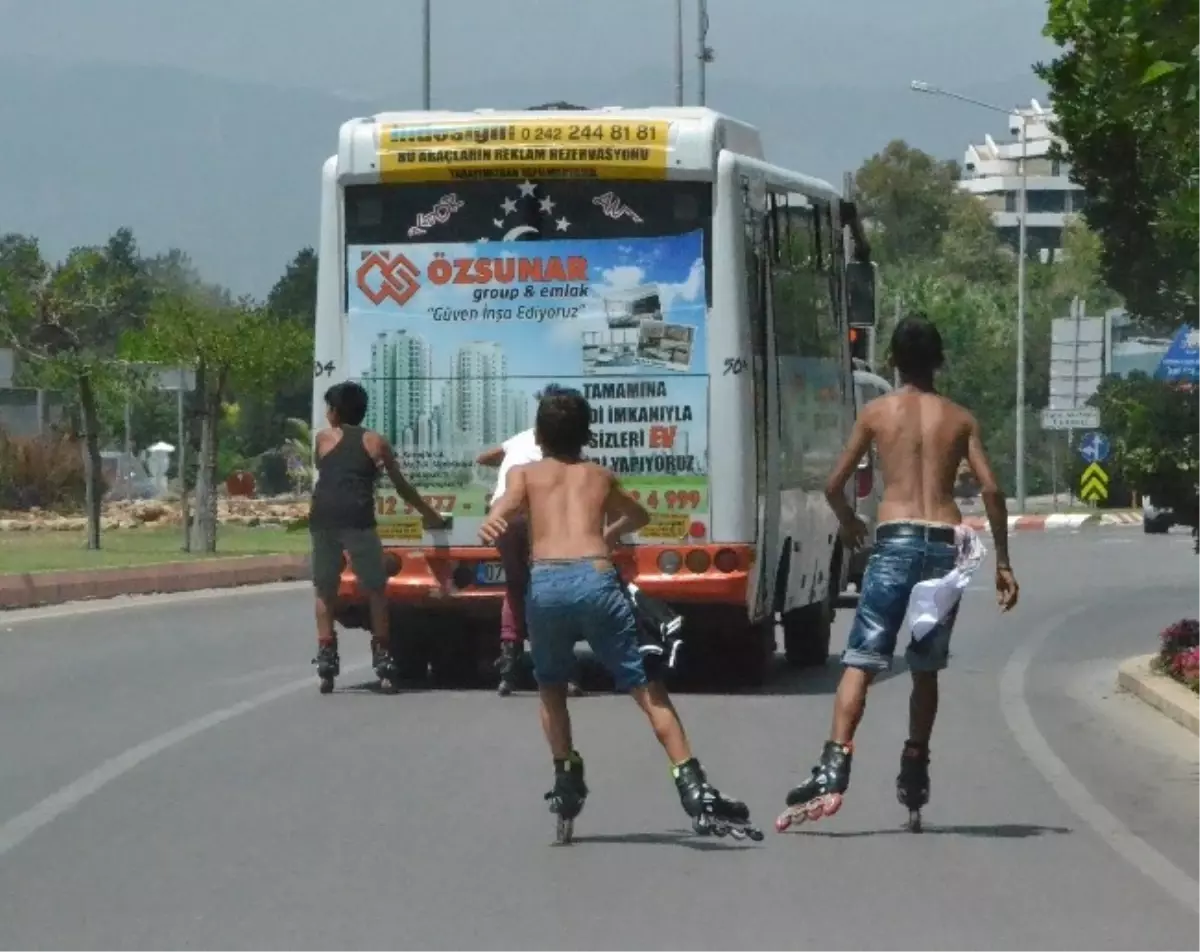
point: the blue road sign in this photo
(1181, 362)
(1094, 447)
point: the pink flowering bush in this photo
(1179, 653)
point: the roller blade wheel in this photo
(914, 821)
(564, 833)
(707, 825)
(827, 804)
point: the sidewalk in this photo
(30, 590)
(1064, 520)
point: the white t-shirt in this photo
(518, 450)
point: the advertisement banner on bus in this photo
(454, 342)
(543, 148)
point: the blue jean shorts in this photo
(581, 600)
(905, 553)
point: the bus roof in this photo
(694, 137)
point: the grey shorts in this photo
(366, 558)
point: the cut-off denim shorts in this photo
(581, 600)
(905, 553)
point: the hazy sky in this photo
(371, 50)
(203, 123)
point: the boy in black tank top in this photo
(342, 519)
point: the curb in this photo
(31, 590)
(1160, 692)
(1058, 521)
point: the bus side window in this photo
(757, 251)
(793, 288)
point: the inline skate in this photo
(568, 796)
(329, 665)
(508, 664)
(712, 814)
(821, 794)
(385, 667)
(912, 784)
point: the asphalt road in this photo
(170, 778)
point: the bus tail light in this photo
(392, 563)
(726, 561)
(697, 561)
(669, 562)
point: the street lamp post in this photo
(678, 52)
(426, 38)
(1022, 217)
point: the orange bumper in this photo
(698, 574)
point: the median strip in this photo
(1179, 703)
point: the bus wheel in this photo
(807, 631)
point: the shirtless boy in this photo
(576, 514)
(920, 438)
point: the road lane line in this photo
(1131, 847)
(16, 831)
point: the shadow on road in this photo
(684, 838)
(1001, 831)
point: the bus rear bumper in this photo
(466, 581)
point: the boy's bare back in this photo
(921, 439)
(569, 504)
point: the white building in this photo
(399, 388)
(992, 171)
(478, 394)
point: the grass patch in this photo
(120, 548)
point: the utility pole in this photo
(704, 52)
(426, 50)
(678, 52)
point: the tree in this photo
(1125, 94)
(231, 348)
(1153, 426)
(905, 196)
(65, 320)
(264, 418)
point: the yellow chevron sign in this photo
(1093, 484)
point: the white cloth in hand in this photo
(933, 600)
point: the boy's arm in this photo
(624, 513)
(387, 459)
(994, 502)
(856, 447)
(504, 508)
(493, 457)
(996, 507)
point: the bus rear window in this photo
(512, 210)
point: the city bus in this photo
(469, 259)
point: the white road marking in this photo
(1131, 847)
(17, 830)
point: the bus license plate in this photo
(489, 573)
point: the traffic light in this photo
(860, 344)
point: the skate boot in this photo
(509, 666)
(912, 785)
(385, 667)
(821, 794)
(329, 665)
(711, 813)
(567, 798)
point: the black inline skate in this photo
(568, 796)
(821, 794)
(385, 666)
(912, 785)
(329, 665)
(711, 813)
(509, 666)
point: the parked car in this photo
(1156, 520)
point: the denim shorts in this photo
(904, 555)
(581, 600)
